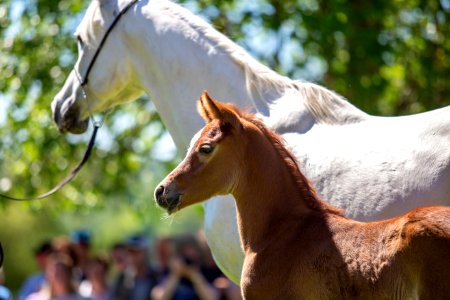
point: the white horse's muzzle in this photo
(66, 109)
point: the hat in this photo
(137, 242)
(81, 236)
(44, 248)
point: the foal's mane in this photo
(306, 189)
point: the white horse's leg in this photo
(223, 236)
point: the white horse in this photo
(385, 165)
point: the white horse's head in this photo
(111, 80)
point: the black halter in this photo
(84, 81)
(97, 124)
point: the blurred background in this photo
(387, 57)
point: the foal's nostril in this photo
(159, 192)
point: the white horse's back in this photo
(370, 168)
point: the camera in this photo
(188, 261)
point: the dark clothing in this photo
(185, 289)
(127, 287)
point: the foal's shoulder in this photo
(427, 221)
(429, 214)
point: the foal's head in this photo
(215, 157)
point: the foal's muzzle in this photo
(167, 199)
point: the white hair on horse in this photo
(321, 102)
(261, 81)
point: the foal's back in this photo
(425, 250)
(407, 257)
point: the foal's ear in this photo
(211, 109)
(207, 108)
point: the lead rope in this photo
(97, 124)
(68, 178)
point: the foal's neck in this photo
(274, 199)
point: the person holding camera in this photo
(137, 278)
(184, 278)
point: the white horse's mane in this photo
(260, 81)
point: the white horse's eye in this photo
(205, 149)
(80, 41)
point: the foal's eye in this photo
(206, 149)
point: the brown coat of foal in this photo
(297, 246)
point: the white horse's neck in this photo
(186, 56)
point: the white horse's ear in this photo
(106, 5)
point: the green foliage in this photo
(386, 57)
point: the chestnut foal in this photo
(297, 246)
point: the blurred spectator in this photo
(119, 257)
(228, 289)
(36, 281)
(59, 273)
(97, 275)
(138, 278)
(5, 293)
(185, 280)
(164, 252)
(69, 273)
(81, 241)
(62, 244)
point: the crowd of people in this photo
(178, 268)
